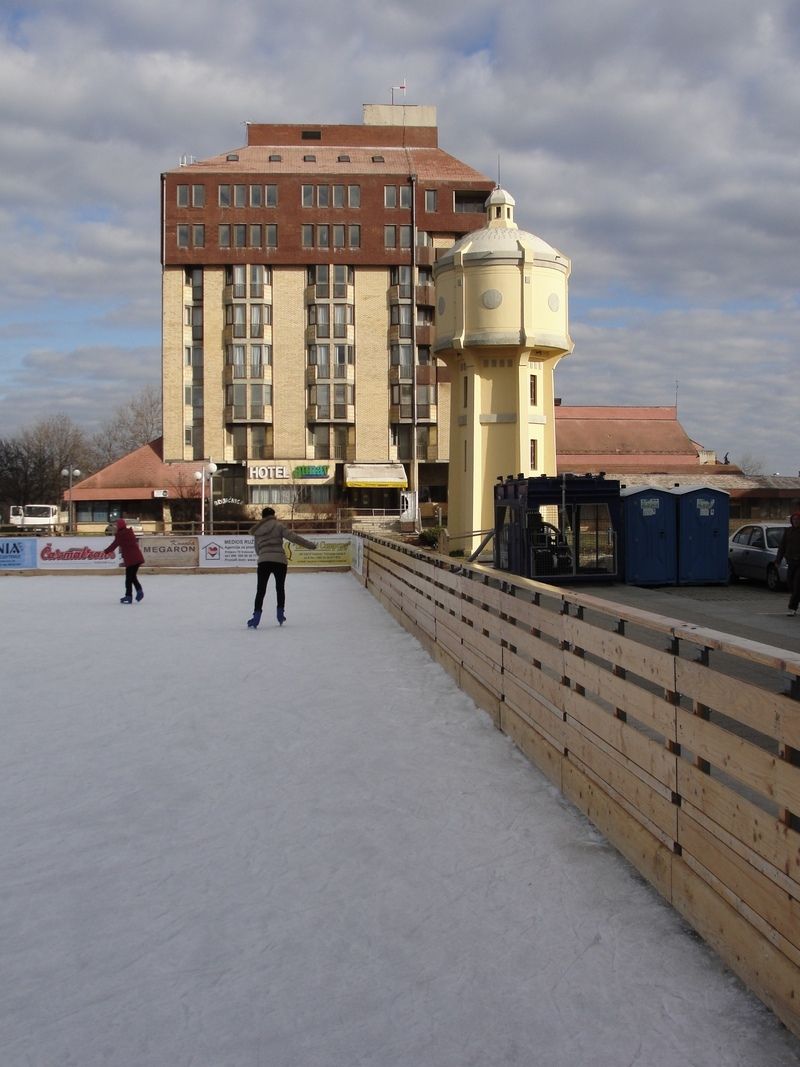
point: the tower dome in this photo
(501, 285)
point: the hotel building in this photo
(298, 304)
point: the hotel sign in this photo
(276, 472)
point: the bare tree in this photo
(750, 464)
(131, 425)
(31, 463)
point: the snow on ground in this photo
(305, 847)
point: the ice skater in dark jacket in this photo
(789, 549)
(132, 557)
(269, 535)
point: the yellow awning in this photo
(375, 476)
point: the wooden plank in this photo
(539, 714)
(449, 639)
(478, 644)
(480, 618)
(740, 700)
(760, 833)
(529, 647)
(632, 746)
(740, 881)
(447, 601)
(535, 617)
(488, 674)
(538, 681)
(641, 848)
(761, 966)
(627, 695)
(532, 743)
(482, 696)
(486, 595)
(649, 663)
(616, 777)
(768, 775)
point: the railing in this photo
(681, 744)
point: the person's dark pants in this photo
(131, 581)
(793, 581)
(264, 571)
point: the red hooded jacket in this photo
(127, 544)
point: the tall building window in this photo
(390, 196)
(401, 277)
(533, 391)
(534, 456)
(199, 236)
(405, 237)
(307, 236)
(307, 195)
(354, 196)
(224, 195)
(431, 199)
(400, 315)
(271, 236)
(338, 235)
(354, 236)
(323, 236)
(390, 236)
(405, 196)
(256, 195)
(183, 237)
(342, 277)
(271, 195)
(240, 236)
(224, 236)
(254, 239)
(198, 196)
(182, 195)
(338, 195)
(240, 196)
(323, 196)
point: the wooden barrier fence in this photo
(681, 744)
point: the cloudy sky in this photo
(654, 144)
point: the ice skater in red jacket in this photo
(132, 557)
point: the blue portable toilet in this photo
(703, 513)
(651, 535)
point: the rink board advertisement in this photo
(87, 553)
(333, 550)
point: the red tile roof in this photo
(135, 476)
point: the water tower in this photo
(502, 325)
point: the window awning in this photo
(375, 476)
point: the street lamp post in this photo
(209, 469)
(70, 472)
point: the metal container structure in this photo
(581, 544)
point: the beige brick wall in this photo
(372, 365)
(213, 363)
(172, 359)
(289, 361)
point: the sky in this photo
(655, 145)
(272, 857)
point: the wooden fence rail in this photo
(681, 744)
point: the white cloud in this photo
(654, 145)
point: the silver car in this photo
(752, 551)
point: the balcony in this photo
(317, 372)
(237, 372)
(243, 413)
(345, 413)
(344, 372)
(425, 255)
(425, 295)
(400, 412)
(399, 332)
(424, 335)
(397, 293)
(400, 372)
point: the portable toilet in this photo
(651, 535)
(702, 534)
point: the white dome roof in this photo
(500, 236)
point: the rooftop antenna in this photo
(676, 396)
(398, 88)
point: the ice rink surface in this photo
(305, 847)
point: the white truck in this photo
(38, 517)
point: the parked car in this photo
(752, 551)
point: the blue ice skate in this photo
(281, 617)
(126, 600)
(139, 595)
(252, 624)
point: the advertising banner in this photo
(71, 553)
(167, 551)
(17, 553)
(332, 551)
